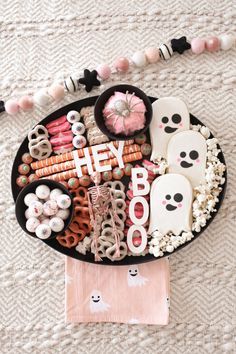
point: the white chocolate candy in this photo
(170, 204)
(55, 193)
(27, 213)
(43, 231)
(64, 201)
(56, 224)
(42, 191)
(29, 198)
(31, 224)
(78, 128)
(79, 141)
(186, 155)
(35, 208)
(50, 208)
(73, 116)
(63, 214)
(45, 221)
(170, 116)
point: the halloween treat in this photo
(26, 158)
(32, 177)
(186, 154)
(43, 231)
(22, 181)
(73, 183)
(73, 116)
(85, 181)
(79, 141)
(171, 199)
(23, 169)
(170, 116)
(78, 128)
(42, 192)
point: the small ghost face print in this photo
(96, 303)
(173, 202)
(134, 278)
(170, 116)
(186, 154)
(170, 204)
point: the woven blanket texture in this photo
(43, 41)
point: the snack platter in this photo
(204, 202)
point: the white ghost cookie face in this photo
(186, 154)
(134, 278)
(171, 204)
(96, 303)
(170, 116)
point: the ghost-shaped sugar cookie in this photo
(171, 199)
(170, 116)
(96, 302)
(186, 154)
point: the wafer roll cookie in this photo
(68, 165)
(63, 176)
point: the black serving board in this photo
(89, 257)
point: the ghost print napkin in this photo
(124, 294)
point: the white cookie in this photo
(186, 154)
(170, 204)
(170, 116)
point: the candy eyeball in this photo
(64, 201)
(79, 141)
(56, 224)
(50, 208)
(36, 208)
(73, 116)
(32, 223)
(63, 214)
(78, 128)
(42, 192)
(29, 198)
(55, 193)
(43, 231)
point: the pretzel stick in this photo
(67, 156)
(63, 176)
(68, 165)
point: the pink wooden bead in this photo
(198, 45)
(26, 103)
(104, 71)
(152, 55)
(122, 64)
(11, 107)
(57, 92)
(212, 44)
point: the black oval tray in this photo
(89, 257)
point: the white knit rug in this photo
(42, 41)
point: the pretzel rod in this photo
(67, 156)
(68, 165)
(63, 176)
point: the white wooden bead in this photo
(226, 41)
(139, 59)
(42, 98)
(166, 51)
(71, 84)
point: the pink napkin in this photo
(124, 294)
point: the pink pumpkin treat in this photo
(124, 113)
